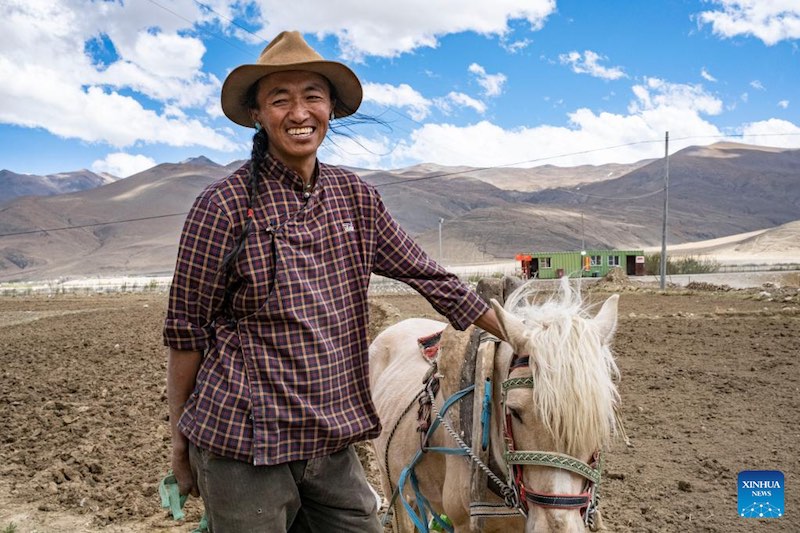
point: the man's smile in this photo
(300, 132)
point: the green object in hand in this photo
(171, 497)
(434, 525)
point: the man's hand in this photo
(182, 471)
(181, 373)
(488, 322)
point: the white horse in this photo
(552, 410)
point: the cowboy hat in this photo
(288, 51)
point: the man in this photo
(267, 377)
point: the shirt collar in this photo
(275, 169)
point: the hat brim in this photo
(234, 90)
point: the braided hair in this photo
(257, 156)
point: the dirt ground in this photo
(709, 388)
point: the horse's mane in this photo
(573, 368)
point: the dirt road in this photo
(709, 388)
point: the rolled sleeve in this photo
(400, 257)
(198, 286)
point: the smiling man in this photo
(293, 107)
(268, 378)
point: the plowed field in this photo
(709, 388)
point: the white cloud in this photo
(388, 29)
(165, 67)
(92, 114)
(657, 106)
(657, 94)
(462, 100)
(589, 63)
(492, 83)
(403, 96)
(783, 104)
(769, 20)
(772, 132)
(69, 69)
(122, 164)
(706, 76)
(487, 144)
(745, 97)
(516, 46)
(756, 84)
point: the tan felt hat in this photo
(288, 51)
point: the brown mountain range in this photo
(13, 185)
(131, 226)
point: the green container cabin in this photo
(590, 263)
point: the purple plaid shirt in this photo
(288, 377)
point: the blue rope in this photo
(486, 415)
(408, 474)
(446, 451)
(419, 521)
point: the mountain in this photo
(528, 179)
(200, 161)
(146, 245)
(14, 185)
(780, 244)
(714, 191)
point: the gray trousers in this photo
(327, 494)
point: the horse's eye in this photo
(515, 414)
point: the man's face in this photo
(294, 108)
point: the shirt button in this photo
(307, 195)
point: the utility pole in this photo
(664, 222)
(583, 235)
(441, 257)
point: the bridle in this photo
(586, 501)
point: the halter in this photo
(586, 501)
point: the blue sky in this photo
(121, 86)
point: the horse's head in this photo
(559, 399)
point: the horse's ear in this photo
(606, 318)
(513, 328)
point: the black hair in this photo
(257, 155)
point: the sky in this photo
(120, 86)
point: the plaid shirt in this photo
(287, 376)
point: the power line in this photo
(454, 173)
(536, 160)
(220, 15)
(216, 36)
(48, 230)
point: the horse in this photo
(551, 410)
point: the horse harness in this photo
(514, 494)
(586, 501)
